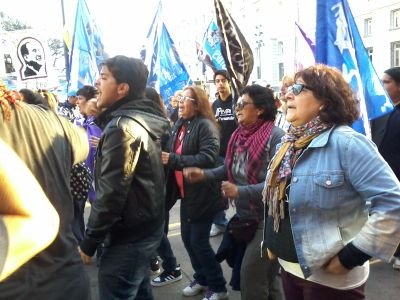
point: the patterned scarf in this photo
(251, 139)
(7, 99)
(280, 168)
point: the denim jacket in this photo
(343, 191)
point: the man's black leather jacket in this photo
(129, 176)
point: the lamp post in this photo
(260, 43)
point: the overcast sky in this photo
(124, 23)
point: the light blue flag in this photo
(87, 51)
(210, 53)
(167, 73)
(173, 75)
(339, 44)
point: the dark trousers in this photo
(296, 288)
(166, 254)
(220, 217)
(165, 250)
(196, 238)
(69, 282)
(124, 269)
(78, 222)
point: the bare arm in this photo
(30, 221)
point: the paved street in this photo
(383, 283)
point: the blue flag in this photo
(167, 73)
(87, 51)
(210, 51)
(339, 44)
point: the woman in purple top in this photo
(82, 176)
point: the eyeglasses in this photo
(183, 99)
(241, 104)
(297, 88)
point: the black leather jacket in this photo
(200, 148)
(129, 176)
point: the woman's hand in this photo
(164, 158)
(87, 260)
(334, 266)
(193, 174)
(94, 141)
(229, 190)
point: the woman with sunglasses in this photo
(249, 151)
(332, 202)
(195, 142)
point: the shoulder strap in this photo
(152, 135)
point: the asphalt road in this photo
(383, 282)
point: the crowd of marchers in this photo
(313, 199)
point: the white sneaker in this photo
(194, 288)
(216, 296)
(396, 264)
(216, 230)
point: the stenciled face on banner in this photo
(32, 57)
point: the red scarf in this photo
(251, 139)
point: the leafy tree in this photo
(9, 24)
(56, 47)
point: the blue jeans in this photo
(220, 219)
(196, 238)
(124, 269)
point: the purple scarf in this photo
(251, 139)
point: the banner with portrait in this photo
(27, 57)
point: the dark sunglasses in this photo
(241, 104)
(297, 88)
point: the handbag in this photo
(242, 229)
(81, 181)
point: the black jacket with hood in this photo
(129, 175)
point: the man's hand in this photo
(229, 190)
(87, 260)
(164, 158)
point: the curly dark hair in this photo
(87, 91)
(263, 98)
(222, 73)
(339, 104)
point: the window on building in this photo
(395, 19)
(395, 54)
(280, 48)
(368, 27)
(281, 70)
(370, 50)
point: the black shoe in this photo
(155, 266)
(167, 277)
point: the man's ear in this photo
(123, 89)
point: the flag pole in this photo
(66, 55)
